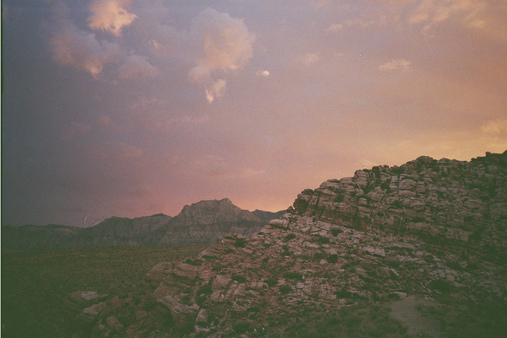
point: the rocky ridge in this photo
(429, 229)
(199, 223)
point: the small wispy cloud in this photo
(402, 65)
(496, 127)
(336, 27)
(308, 59)
(431, 13)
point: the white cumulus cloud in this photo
(222, 44)
(110, 15)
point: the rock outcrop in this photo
(426, 228)
(425, 197)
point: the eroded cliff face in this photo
(444, 198)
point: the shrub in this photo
(239, 279)
(339, 198)
(289, 237)
(200, 301)
(394, 296)
(241, 327)
(195, 262)
(343, 293)
(206, 289)
(335, 232)
(292, 275)
(240, 243)
(285, 289)
(324, 240)
(272, 281)
(318, 256)
(254, 309)
(333, 259)
(186, 300)
(441, 285)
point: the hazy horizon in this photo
(133, 108)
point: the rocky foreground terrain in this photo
(430, 229)
(200, 223)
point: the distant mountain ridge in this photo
(203, 222)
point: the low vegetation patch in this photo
(205, 289)
(272, 281)
(240, 243)
(239, 278)
(292, 275)
(441, 285)
(195, 262)
(35, 294)
(289, 237)
(335, 232)
(285, 289)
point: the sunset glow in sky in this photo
(131, 108)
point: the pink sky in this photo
(132, 108)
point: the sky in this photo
(131, 108)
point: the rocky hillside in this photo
(430, 230)
(200, 223)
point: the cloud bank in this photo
(216, 43)
(80, 49)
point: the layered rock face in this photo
(445, 198)
(424, 229)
